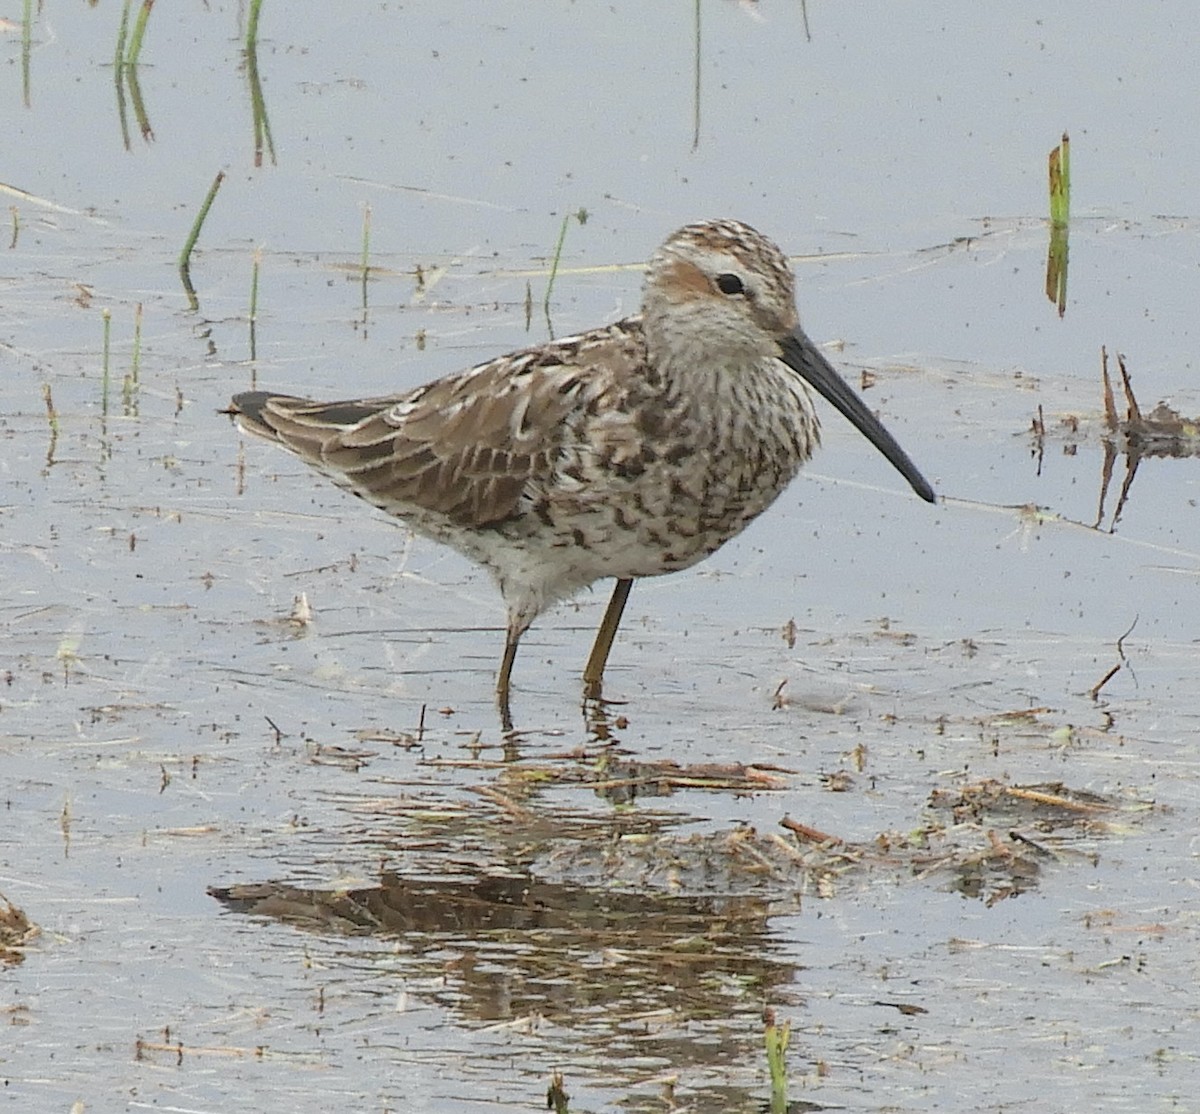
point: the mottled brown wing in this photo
(467, 447)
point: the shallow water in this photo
(167, 730)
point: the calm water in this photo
(151, 560)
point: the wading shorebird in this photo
(635, 449)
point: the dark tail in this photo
(248, 408)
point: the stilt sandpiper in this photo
(635, 449)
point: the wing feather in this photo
(471, 448)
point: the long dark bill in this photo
(802, 356)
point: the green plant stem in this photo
(254, 274)
(258, 105)
(107, 315)
(139, 31)
(255, 267)
(366, 252)
(185, 256)
(776, 1038)
(558, 247)
(122, 40)
(135, 367)
(26, 52)
(130, 385)
(1060, 183)
(252, 25)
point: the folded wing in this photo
(467, 448)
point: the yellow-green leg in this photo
(504, 678)
(593, 672)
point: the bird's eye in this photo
(730, 284)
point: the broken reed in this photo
(1060, 183)
(1057, 254)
